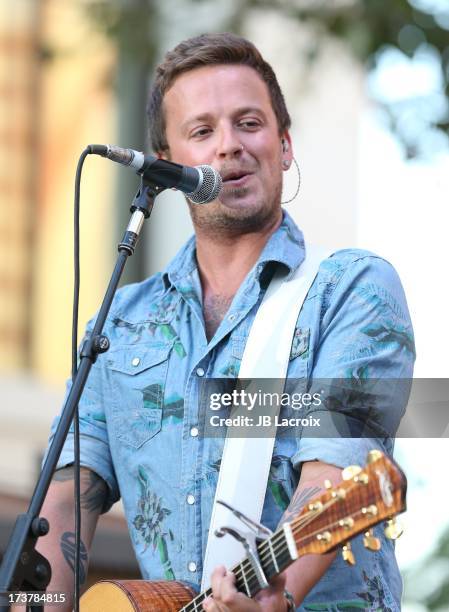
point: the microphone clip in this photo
(145, 196)
(141, 208)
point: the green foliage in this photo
(372, 27)
(438, 598)
(130, 23)
(369, 28)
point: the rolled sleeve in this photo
(363, 356)
(339, 451)
(94, 455)
(94, 441)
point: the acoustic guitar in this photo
(364, 498)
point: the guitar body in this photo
(136, 596)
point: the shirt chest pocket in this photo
(138, 378)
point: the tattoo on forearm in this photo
(68, 551)
(298, 501)
(92, 498)
(93, 488)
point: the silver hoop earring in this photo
(299, 183)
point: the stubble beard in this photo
(220, 220)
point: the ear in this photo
(287, 149)
(164, 155)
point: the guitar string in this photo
(265, 556)
(246, 568)
(298, 524)
(301, 522)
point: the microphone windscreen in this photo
(210, 186)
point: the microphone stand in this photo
(23, 568)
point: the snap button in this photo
(194, 432)
(190, 499)
(135, 362)
(200, 371)
(192, 566)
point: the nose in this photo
(228, 143)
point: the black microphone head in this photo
(209, 187)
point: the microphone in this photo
(201, 184)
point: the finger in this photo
(215, 580)
(233, 600)
(228, 591)
(210, 605)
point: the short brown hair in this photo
(206, 50)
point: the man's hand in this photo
(226, 598)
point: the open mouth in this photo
(236, 178)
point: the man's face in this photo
(211, 113)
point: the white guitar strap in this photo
(245, 464)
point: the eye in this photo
(199, 132)
(249, 124)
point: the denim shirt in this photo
(141, 425)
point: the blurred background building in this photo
(366, 84)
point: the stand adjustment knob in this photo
(40, 527)
(101, 343)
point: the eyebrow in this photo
(196, 119)
(208, 116)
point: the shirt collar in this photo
(183, 264)
(285, 246)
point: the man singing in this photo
(216, 101)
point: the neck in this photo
(224, 261)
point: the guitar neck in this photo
(276, 553)
(361, 500)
